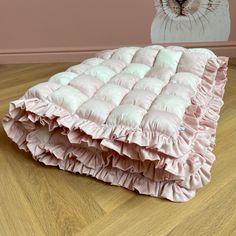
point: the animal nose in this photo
(181, 2)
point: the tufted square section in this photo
(178, 90)
(87, 84)
(63, 78)
(124, 115)
(93, 61)
(154, 47)
(161, 74)
(187, 79)
(178, 48)
(150, 84)
(140, 98)
(146, 56)
(204, 51)
(161, 121)
(168, 59)
(106, 55)
(79, 69)
(42, 90)
(91, 110)
(125, 54)
(137, 69)
(111, 93)
(193, 63)
(170, 103)
(115, 64)
(67, 97)
(104, 73)
(125, 80)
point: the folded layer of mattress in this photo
(141, 118)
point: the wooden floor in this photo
(40, 200)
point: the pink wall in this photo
(233, 21)
(69, 30)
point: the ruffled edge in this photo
(84, 161)
(179, 168)
(176, 168)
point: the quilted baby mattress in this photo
(141, 118)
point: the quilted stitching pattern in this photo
(129, 84)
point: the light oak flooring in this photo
(40, 200)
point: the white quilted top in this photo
(147, 88)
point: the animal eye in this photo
(212, 5)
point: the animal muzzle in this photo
(181, 2)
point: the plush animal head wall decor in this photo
(191, 21)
